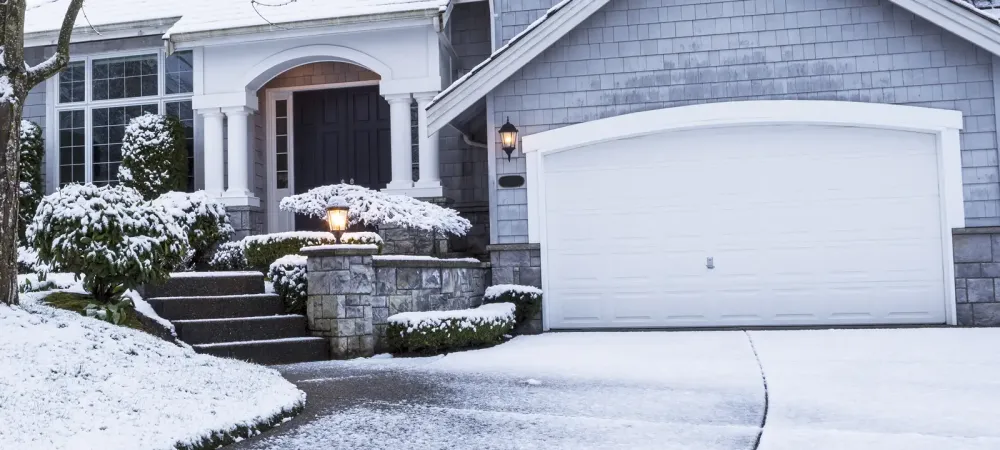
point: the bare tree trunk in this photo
(15, 81)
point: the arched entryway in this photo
(321, 123)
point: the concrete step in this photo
(214, 331)
(217, 307)
(198, 284)
(272, 351)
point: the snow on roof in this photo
(48, 16)
(213, 15)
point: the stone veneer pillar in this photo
(977, 276)
(341, 283)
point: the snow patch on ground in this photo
(71, 382)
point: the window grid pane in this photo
(281, 143)
(180, 73)
(185, 113)
(106, 139)
(128, 77)
(72, 148)
(72, 82)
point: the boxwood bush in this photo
(108, 235)
(526, 299)
(203, 218)
(288, 274)
(229, 256)
(263, 250)
(29, 175)
(442, 331)
(154, 156)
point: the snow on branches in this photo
(154, 155)
(375, 208)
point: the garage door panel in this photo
(805, 224)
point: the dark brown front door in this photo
(340, 135)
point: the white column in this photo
(239, 159)
(214, 154)
(402, 142)
(429, 182)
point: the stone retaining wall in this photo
(352, 293)
(519, 264)
(977, 276)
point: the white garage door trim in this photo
(944, 124)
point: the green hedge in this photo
(263, 250)
(30, 175)
(154, 156)
(442, 331)
(526, 299)
(288, 274)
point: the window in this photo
(72, 147)
(106, 138)
(72, 83)
(281, 142)
(129, 77)
(183, 112)
(180, 73)
(97, 97)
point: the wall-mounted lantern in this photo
(508, 138)
(336, 216)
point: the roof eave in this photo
(959, 18)
(198, 36)
(506, 61)
(124, 30)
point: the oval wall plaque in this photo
(511, 181)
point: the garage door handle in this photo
(710, 262)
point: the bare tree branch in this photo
(254, 3)
(60, 59)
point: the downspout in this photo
(468, 141)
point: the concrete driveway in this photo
(858, 389)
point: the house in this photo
(682, 163)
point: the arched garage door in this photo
(745, 223)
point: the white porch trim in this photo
(944, 124)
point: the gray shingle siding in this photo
(636, 55)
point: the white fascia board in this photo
(154, 27)
(377, 22)
(960, 18)
(508, 60)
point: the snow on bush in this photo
(71, 382)
(263, 249)
(229, 256)
(203, 218)
(154, 155)
(440, 331)
(27, 262)
(374, 208)
(109, 235)
(527, 299)
(30, 174)
(288, 275)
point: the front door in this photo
(341, 135)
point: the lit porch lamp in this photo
(336, 216)
(508, 138)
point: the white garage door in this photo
(804, 225)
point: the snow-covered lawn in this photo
(71, 382)
(912, 389)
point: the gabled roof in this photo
(975, 20)
(180, 17)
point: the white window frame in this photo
(54, 107)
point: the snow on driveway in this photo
(906, 389)
(664, 391)
(901, 389)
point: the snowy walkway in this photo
(859, 389)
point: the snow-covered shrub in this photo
(441, 331)
(264, 249)
(27, 261)
(154, 155)
(229, 256)
(288, 274)
(526, 299)
(109, 235)
(30, 174)
(203, 218)
(374, 208)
